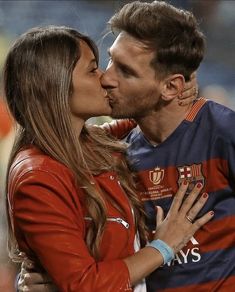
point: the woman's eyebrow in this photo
(92, 63)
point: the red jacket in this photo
(48, 217)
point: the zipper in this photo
(119, 220)
(128, 200)
(114, 219)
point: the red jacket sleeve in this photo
(119, 128)
(48, 221)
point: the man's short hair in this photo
(171, 32)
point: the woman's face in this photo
(88, 99)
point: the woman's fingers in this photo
(180, 223)
(38, 288)
(190, 91)
(34, 282)
(190, 200)
(35, 278)
(192, 213)
(203, 220)
(192, 83)
(178, 198)
(27, 264)
(159, 216)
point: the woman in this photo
(71, 201)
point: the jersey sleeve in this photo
(48, 221)
(225, 120)
(119, 128)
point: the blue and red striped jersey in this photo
(202, 148)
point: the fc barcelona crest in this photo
(156, 175)
(192, 173)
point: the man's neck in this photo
(157, 126)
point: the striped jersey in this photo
(201, 149)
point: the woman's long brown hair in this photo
(38, 84)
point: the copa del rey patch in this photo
(192, 173)
(156, 175)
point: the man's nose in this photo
(100, 72)
(108, 79)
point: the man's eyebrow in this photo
(127, 69)
(124, 67)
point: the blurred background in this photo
(216, 75)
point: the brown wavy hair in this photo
(38, 84)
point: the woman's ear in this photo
(173, 87)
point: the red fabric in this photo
(47, 213)
(119, 128)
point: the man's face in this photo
(131, 82)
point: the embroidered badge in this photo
(192, 173)
(156, 175)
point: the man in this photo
(157, 48)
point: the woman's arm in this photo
(49, 223)
(119, 128)
(175, 231)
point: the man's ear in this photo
(173, 87)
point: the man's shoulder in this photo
(219, 108)
(219, 113)
(219, 119)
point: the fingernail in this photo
(199, 185)
(205, 195)
(185, 182)
(212, 213)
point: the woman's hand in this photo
(175, 230)
(180, 223)
(190, 92)
(33, 282)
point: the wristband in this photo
(165, 250)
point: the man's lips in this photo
(111, 101)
